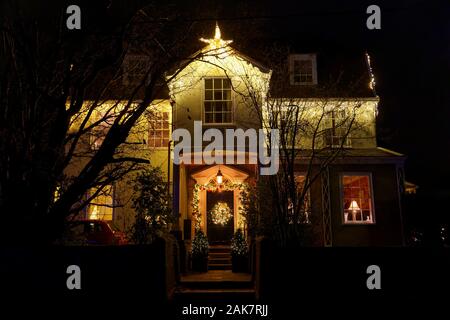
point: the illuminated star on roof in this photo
(217, 42)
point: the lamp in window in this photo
(219, 177)
(353, 208)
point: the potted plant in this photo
(239, 252)
(200, 250)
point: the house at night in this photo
(356, 199)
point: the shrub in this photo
(200, 245)
(239, 247)
(151, 202)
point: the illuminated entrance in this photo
(215, 206)
(220, 216)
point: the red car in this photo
(94, 232)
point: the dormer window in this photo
(303, 69)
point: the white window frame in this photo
(150, 129)
(303, 57)
(204, 100)
(372, 199)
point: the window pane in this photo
(208, 95)
(159, 128)
(227, 117)
(217, 95)
(305, 66)
(209, 117)
(217, 104)
(226, 83)
(227, 95)
(357, 199)
(218, 118)
(217, 83)
(302, 70)
(101, 207)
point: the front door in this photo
(220, 216)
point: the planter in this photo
(200, 264)
(239, 263)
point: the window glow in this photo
(159, 130)
(357, 198)
(217, 102)
(101, 207)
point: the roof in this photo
(197, 55)
(349, 155)
(339, 74)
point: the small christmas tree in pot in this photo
(200, 250)
(239, 252)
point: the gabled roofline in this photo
(185, 62)
(391, 152)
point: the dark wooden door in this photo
(218, 233)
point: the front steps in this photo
(215, 286)
(219, 284)
(219, 257)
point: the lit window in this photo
(305, 209)
(303, 69)
(218, 106)
(135, 69)
(336, 131)
(357, 199)
(101, 207)
(159, 130)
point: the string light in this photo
(221, 213)
(372, 76)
